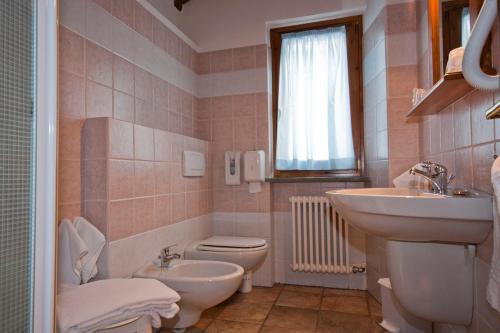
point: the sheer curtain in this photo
(314, 121)
(465, 26)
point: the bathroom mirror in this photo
(450, 23)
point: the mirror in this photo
(455, 26)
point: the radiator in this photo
(320, 237)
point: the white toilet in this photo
(247, 252)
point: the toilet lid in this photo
(233, 242)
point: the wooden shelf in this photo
(446, 91)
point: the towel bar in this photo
(494, 111)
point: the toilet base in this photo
(246, 284)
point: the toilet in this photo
(248, 252)
(201, 284)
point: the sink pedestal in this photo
(433, 281)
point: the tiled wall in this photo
(94, 82)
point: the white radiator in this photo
(320, 237)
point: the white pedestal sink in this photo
(430, 248)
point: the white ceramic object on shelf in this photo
(201, 285)
(247, 252)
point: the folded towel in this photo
(493, 289)
(98, 304)
(95, 242)
(71, 251)
(411, 181)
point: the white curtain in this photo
(314, 119)
(465, 26)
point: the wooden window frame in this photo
(354, 34)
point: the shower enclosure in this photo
(27, 120)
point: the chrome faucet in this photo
(437, 174)
(166, 257)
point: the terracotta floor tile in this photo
(258, 295)
(304, 289)
(348, 304)
(375, 307)
(246, 312)
(224, 326)
(287, 317)
(298, 299)
(346, 292)
(270, 329)
(213, 312)
(337, 322)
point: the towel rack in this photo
(494, 111)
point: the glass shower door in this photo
(17, 124)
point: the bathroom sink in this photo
(413, 215)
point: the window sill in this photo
(319, 179)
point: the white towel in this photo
(95, 242)
(98, 304)
(71, 251)
(407, 180)
(493, 290)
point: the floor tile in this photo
(375, 307)
(298, 299)
(337, 322)
(304, 289)
(346, 292)
(246, 312)
(270, 329)
(259, 295)
(348, 304)
(213, 312)
(287, 317)
(225, 326)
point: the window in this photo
(317, 98)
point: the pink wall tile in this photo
(95, 138)
(161, 119)
(143, 85)
(144, 178)
(178, 207)
(162, 178)
(71, 95)
(163, 146)
(124, 11)
(69, 183)
(95, 180)
(244, 105)
(160, 35)
(173, 44)
(121, 139)
(401, 18)
(203, 63)
(244, 58)
(144, 147)
(70, 130)
(222, 107)
(143, 21)
(193, 204)
(245, 201)
(123, 106)
(186, 104)
(260, 56)
(397, 108)
(447, 133)
(121, 179)
(99, 100)
(174, 99)
(463, 167)
(163, 210)
(71, 51)
(144, 215)
(97, 213)
(123, 75)
(482, 129)
(106, 4)
(482, 159)
(160, 93)
(245, 129)
(223, 200)
(177, 182)
(99, 64)
(203, 110)
(121, 219)
(222, 129)
(144, 113)
(462, 122)
(401, 80)
(261, 106)
(187, 126)
(174, 122)
(221, 61)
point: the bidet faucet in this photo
(436, 173)
(166, 257)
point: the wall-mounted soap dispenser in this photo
(232, 167)
(254, 169)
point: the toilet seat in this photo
(231, 244)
